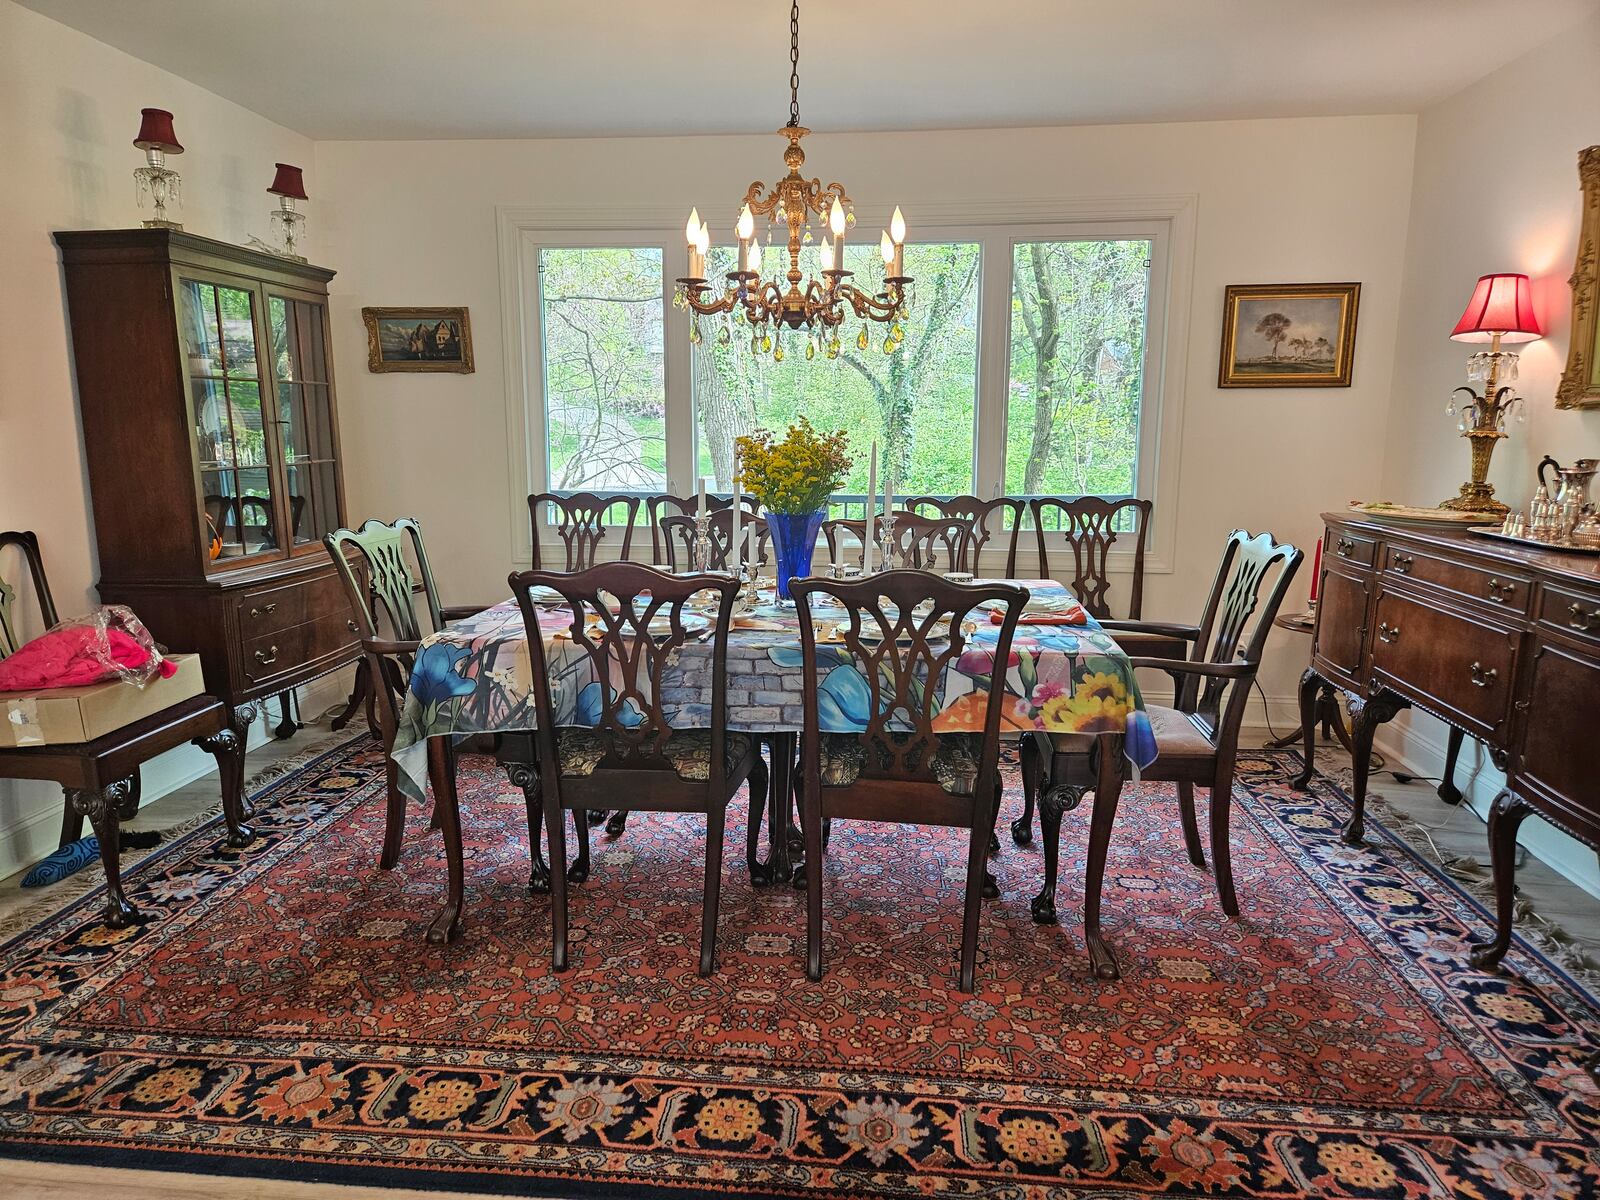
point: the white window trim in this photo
(1168, 220)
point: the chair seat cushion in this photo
(1176, 737)
(954, 766)
(581, 750)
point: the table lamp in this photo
(1501, 310)
(288, 185)
(155, 179)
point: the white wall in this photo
(1278, 201)
(1496, 189)
(70, 106)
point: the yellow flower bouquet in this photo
(796, 475)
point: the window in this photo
(1039, 358)
(605, 395)
(1075, 387)
(919, 403)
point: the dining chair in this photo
(988, 519)
(100, 778)
(629, 624)
(382, 592)
(678, 534)
(659, 507)
(904, 630)
(1090, 527)
(580, 522)
(1197, 737)
(922, 543)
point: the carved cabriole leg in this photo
(71, 821)
(1107, 791)
(101, 809)
(1448, 791)
(442, 775)
(227, 747)
(1367, 714)
(578, 872)
(1310, 685)
(526, 777)
(359, 691)
(240, 718)
(618, 824)
(1054, 802)
(1505, 816)
(760, 779)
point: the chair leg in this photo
(760, 781)
(71, 820)
(526, 777)
(1221, 848)
(579, 871)
(972, 907)
(101, 809)
(1028, 760)
(811, 823)
(227, 747)
(1191, 827)
(442, 774)
(555, 824)
(712, 895)
(618, 823)
(394, 821)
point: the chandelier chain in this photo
(794, 63)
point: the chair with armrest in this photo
(898, 768)
(633, 748)
(101, 777)
(1197, 738)
(382, 588)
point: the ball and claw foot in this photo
(1044, 910)
(991, 889)
(539, 878)
(618, 823)
(1022, 831)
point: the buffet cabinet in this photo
(205, 384)
(1500, 641)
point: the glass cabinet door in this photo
(305, 415)
(231, 433)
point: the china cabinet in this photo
(206, 390)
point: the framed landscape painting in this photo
(418, 339)
(1288, 335)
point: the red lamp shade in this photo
(1500, 304)
(155, 132)
(287, 182)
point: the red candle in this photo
(1316, 572)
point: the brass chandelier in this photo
(818, 304)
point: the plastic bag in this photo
(106, 643)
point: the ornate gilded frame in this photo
(1339, 373)
(1580, 382)
(377, 364)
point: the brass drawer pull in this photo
(267, 657)
(1481, 677)
(1344, 547)
(1579, 619)
(265, 610)
(351, 626)
(1500, 592)
(1402, 564)
(1388, 632)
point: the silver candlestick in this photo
(702, 542)
(890, 556)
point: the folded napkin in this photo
(1074, 615)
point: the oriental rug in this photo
(279, 1014)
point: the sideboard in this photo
(1499, 641)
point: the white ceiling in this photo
(360, 69)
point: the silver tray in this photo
(1560, 547)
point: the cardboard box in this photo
(81, 714)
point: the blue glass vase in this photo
(794, 537)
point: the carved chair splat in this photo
(580, 523)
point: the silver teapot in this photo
(1574, 483)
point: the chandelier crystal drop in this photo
(790, 299)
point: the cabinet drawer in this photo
(1558, 756)
(1452, 664)
(267, 610)
(1500, 588)
(1341, 626)
(273, 654)
(1351, 548)
(1572, 613)
(326, 636)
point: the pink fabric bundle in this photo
(109, 643)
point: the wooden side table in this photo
(1327, 711)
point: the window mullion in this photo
(678, 377)
(994, 351)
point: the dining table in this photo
(1064, 674)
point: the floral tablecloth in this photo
(475, 676)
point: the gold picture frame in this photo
(1580, 382)
(425, 340)
(1316, 321)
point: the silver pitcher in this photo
(1574, 482)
